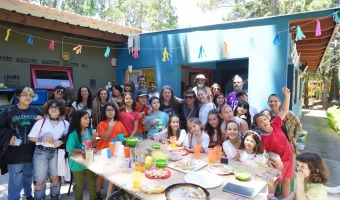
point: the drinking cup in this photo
(127, 152)
(218, 156)
(112, 149)
(217, 149)
(121, 137)
(89, 155)
(130, 69)
(197, 150)
(211, 155)
(173, 140)
(136, 179)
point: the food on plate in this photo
(153, 189)
(185, 192)
(198, 193)
(185, 164)
(220, 169)
(157, 173)
(159, 155)
(181, 152)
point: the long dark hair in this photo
(178, 132)
(80, 98)
(211, 131)
(318, 170)
(58, 87)
(172, 102)
(258, 149)
(133, 104)
(75, 124)
(103, 111)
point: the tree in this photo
(149, 15)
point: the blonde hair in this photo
(26, 90)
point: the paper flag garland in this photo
(30, 40)
(201, 52)
(7, 35)
(51, 47)
(165, 55)
(107, 52)
(135, 53)
(336, 17)
(318, 28)
(299, 34)
(225, 50)
(78, 49)
(277, 40)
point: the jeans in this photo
(20, 177)
(45, 164)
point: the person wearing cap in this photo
(153, 89)
(142, 109)
(231, 97)
(200, 81)
(243, 96)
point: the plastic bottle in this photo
(86, 142)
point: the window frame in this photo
(35, 68)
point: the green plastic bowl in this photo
(156, 146)
(242, 175)
(131, 141)
(161, 163)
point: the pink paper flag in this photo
(318, 28)
(135, 53)
(51, 47)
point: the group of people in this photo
(30, 137)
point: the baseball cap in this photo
(239, 93)
(153, 82)
(142, 93)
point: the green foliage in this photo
(333, 114)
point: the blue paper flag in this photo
(201, 52)
(277, 40)
(336, 17)
(299, 34)
(30, 40)
(107, 52)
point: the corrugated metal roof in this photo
(65, 17)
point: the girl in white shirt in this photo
(232, 144)
(196, 135)
(172, 130)
(251, 146)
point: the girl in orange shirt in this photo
(108, 129)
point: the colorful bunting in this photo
(318, 28)
(51, 47)
(225, 50)
(165, 55)
(7, 35)
(277, 40)
(78, 49)
(107, 52)
(135, 53)
(30, 40)
(299, 34)
(336, 17)
(201, 52)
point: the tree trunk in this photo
(305, 91)
(334, 92)
(324, 92)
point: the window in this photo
(49, 77)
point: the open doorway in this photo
(188, 75)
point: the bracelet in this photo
(39, 139)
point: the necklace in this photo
(54, 119)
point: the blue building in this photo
(264, 66)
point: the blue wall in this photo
(250, 41)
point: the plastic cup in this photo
(127, 152)
(130, 68)
(217, 149)
(112, 149)
(211, 155)
(218, 156)
(197, 150)
(136, 179)
(89, 155)
(121, 137)
(173, 140)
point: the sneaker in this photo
(99, 195)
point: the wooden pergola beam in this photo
(51, 25)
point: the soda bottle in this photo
(86, 143)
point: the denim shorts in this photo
(45, 164)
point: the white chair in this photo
(333, 189)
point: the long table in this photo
(124, 179)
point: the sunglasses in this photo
(59, 91)
(189, 97)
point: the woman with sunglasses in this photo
(58, 93)
(48, 134)
(189, 108)
(16, 121)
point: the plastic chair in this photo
(333, 190)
